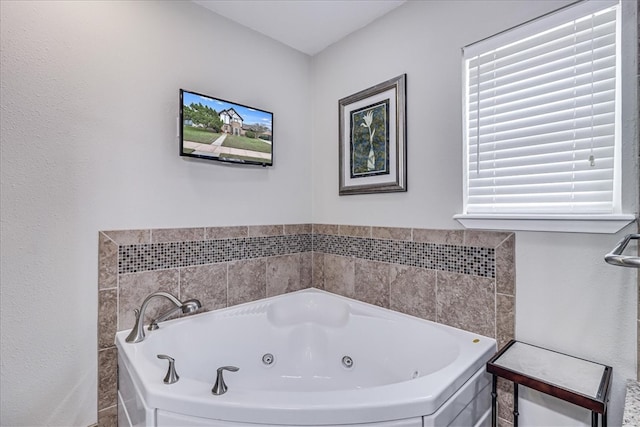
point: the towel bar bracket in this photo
(615, 257)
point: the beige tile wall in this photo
(468, 302)
(479, 304)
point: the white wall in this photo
(88, 125)
(568, 299)
(424, 40)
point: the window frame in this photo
(627, 151)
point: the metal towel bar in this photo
(615, 257)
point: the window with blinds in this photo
(541, 114)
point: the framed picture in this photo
(372, 136)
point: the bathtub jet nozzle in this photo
(347, 362)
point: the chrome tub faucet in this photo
(186, 307)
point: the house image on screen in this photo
(231, 121)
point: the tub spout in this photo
(137, 332)
(186, 307)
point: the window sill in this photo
(601, 224)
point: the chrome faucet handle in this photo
(172, 375)
(137, 333)
(220, 387)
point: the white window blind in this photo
(541, 116)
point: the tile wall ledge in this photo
(266, 230)
(165, 235)
(457, 237)
(128, 237)
(298, 228)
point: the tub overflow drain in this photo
(347, 362)
(268, 359)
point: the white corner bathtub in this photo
(405, 371)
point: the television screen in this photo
(216, 129)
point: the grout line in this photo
(511, 234)
(505, 295)
(107, 237)
(495, 309)
(180, 282)
(117, 293)
(105, 409)
(437, 293)
(506, 421)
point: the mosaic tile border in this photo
(470, 260)
(158, 256)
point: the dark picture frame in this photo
(372, 139)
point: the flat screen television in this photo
(215, 129)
